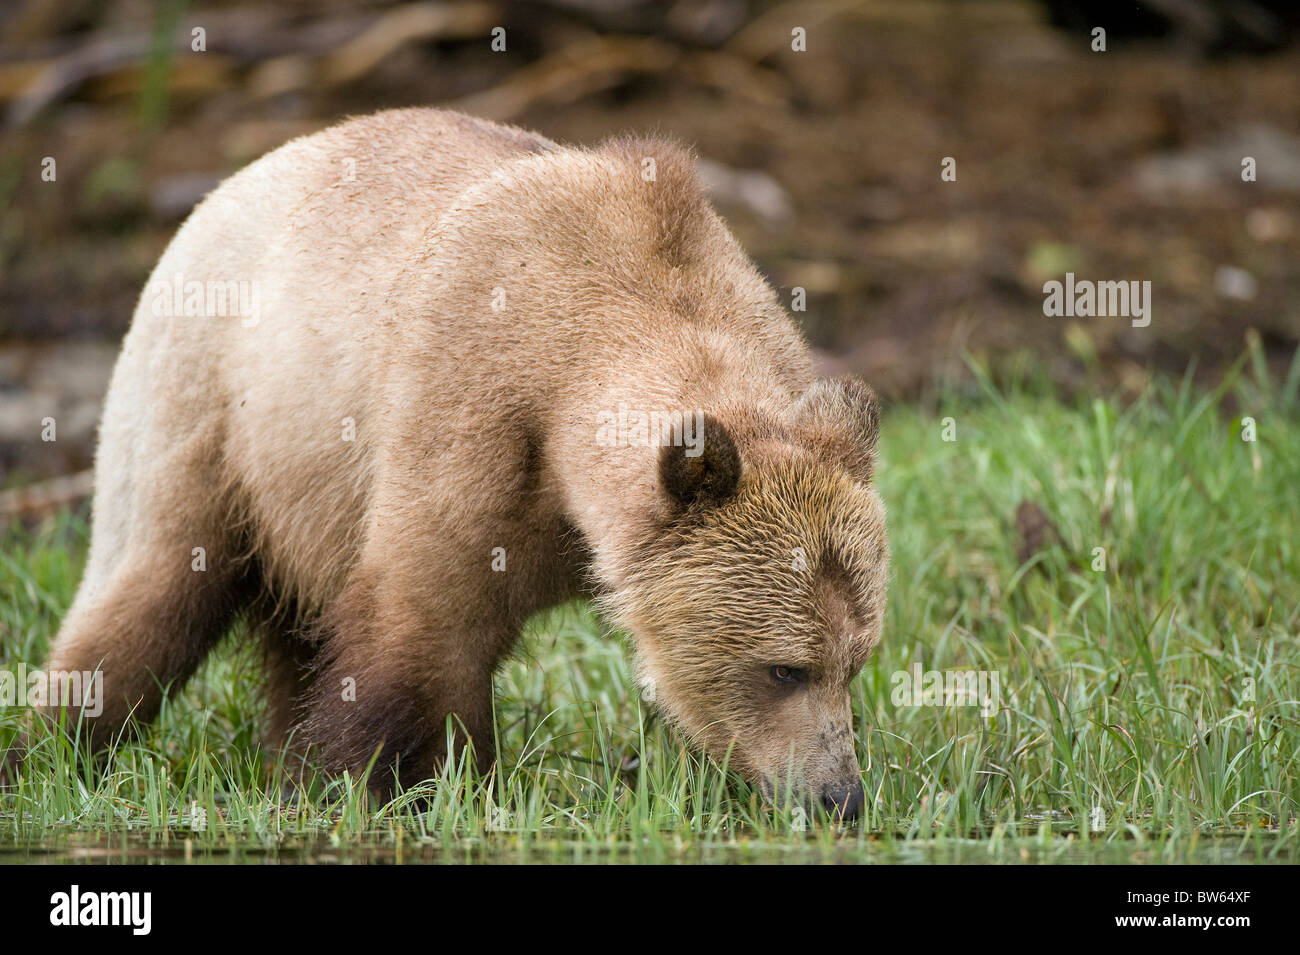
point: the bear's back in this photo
(312, 237)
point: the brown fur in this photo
(475, 429)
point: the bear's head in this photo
(764, 594)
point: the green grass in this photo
(1149, 710)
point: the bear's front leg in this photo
(394, 667)
(462, 543)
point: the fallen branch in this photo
(600, 63)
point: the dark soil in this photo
(1123, 164)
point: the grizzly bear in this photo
(400, 384)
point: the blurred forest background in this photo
(1123, 164)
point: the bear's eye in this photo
(789, 676)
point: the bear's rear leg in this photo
(145, 629)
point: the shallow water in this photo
(99, 848)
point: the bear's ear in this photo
(706, 469)
(841, 419)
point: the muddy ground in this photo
(1123, 164)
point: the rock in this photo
(1232, 282)
(1218, 165)
(755, 190)
(172, 197)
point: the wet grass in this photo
(1148, 690)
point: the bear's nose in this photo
(843, 800)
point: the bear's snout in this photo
(844, 800)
